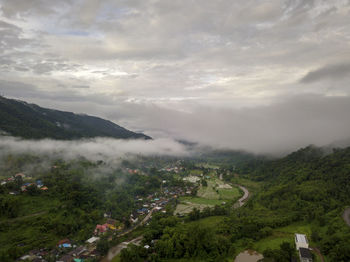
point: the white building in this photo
(301, 241)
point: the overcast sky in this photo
(256, 75)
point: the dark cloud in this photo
(333, 72)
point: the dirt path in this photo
(318, 252)
(346, 216)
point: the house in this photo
(107, 214)
(301, 241)
(92, 240)
(142, 211)
(305, 255)
(100, 229)
(78, 251)
(20, 175)
(64, 243)
(111, 223)
(39, 183)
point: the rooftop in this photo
(305, 253)
(301, 238)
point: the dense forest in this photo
(25, 120)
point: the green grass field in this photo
(229, 194)
(200, 200)
(282, 234)
(215, 193)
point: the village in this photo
(68, 250)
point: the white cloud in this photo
(179, 57)
(108, 150)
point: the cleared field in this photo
(215, 193)
(185, 208)
(200, 200)
(209, 192)
(229, 194)
(282, 234)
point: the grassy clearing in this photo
(282, 234)
(229, 194)
(209, 191)
(215, 193)
(185, 208)
(199, 200)
(209, 222)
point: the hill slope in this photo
(25, 120)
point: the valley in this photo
(172, 209)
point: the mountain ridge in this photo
(22, 119)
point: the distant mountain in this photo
(18, 118)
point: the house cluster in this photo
(38, 183)
(66, 251)
(302, 246)
(132, 171)
(175, 169)
(157, 202)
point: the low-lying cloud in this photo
(107, 149)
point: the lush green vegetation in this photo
(71, 207)
(31, 121)
(305, 192)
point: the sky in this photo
(264, 76)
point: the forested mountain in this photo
(310, 186)
(25, 120)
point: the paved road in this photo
(346, 216)
(243, 199)
(114, 251)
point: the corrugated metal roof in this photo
(301, 238)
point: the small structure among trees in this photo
(302, 245)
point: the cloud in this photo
(333, 72)
(220, 72)
(108, 150)
(280, 127)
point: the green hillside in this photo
(25, 120)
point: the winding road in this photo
(114, 251)
(240, 202)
